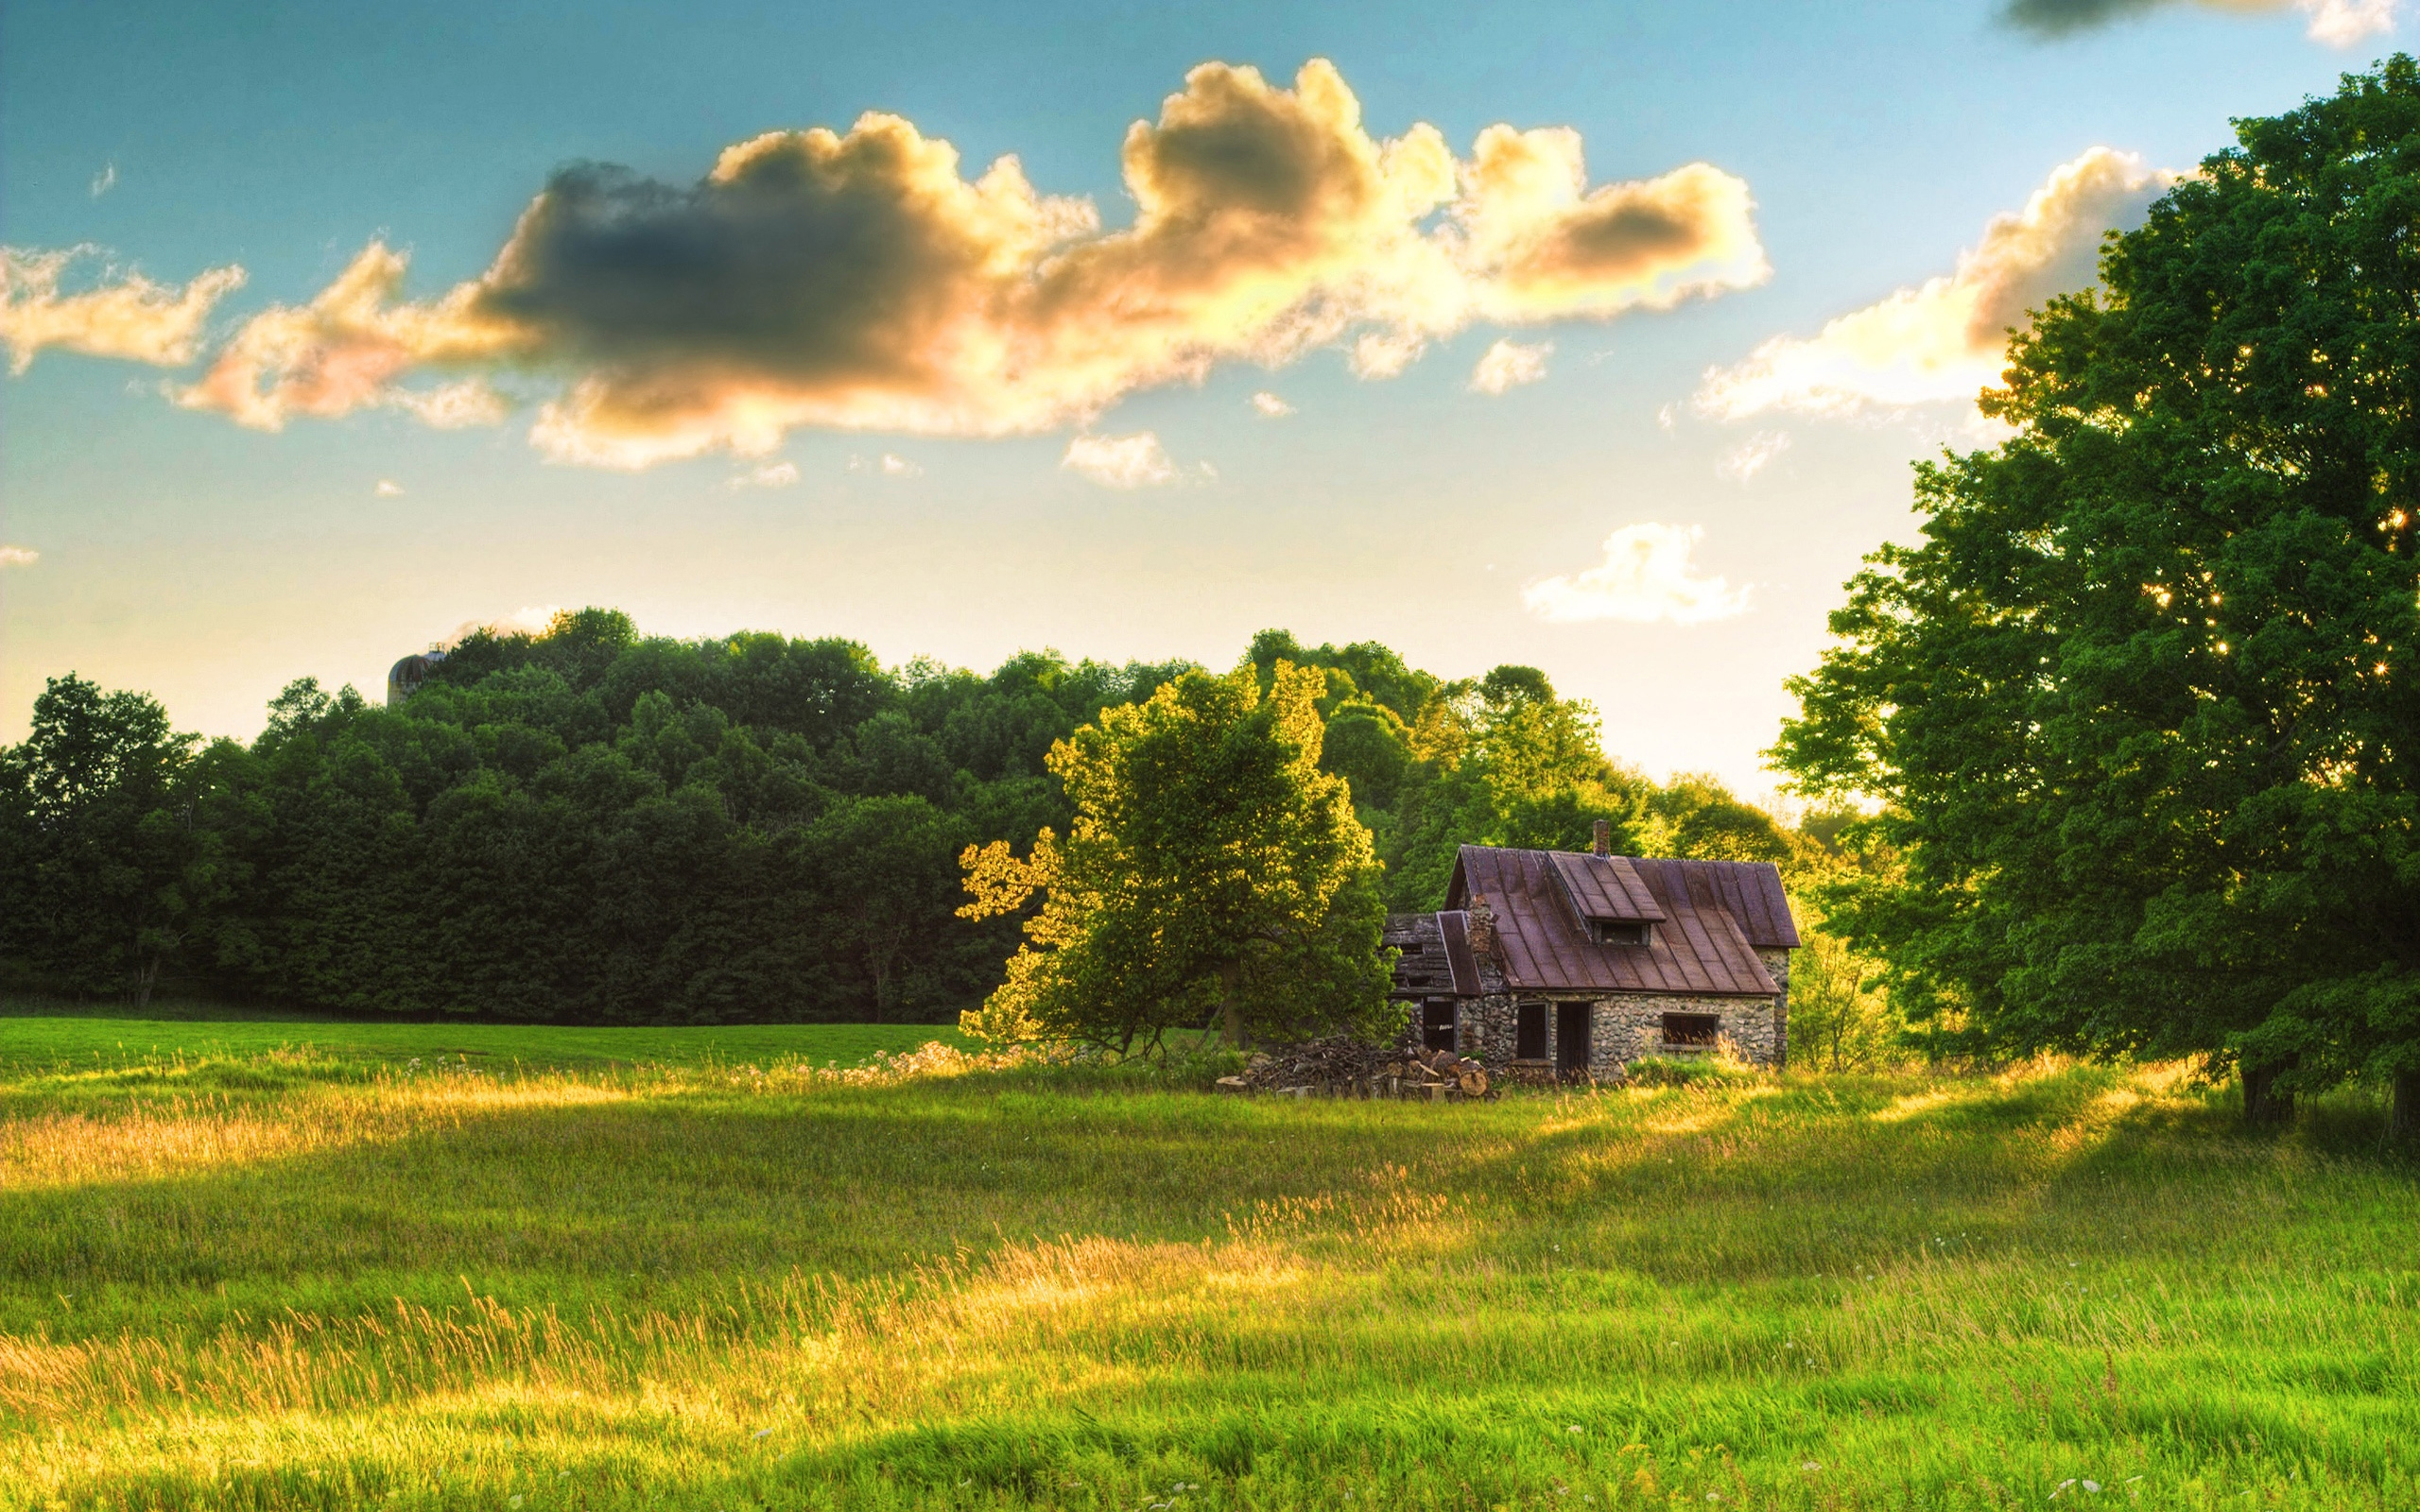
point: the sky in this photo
(1594, 337)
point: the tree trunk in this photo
(2262, 1102)
(1231, 1010)
(2403, 1119)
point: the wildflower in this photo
(1573, 1429)
(760, 1432)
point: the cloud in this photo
(2337, 23)
(124, 316)
(1752, 455)
(888, 464)
(1121, 461)
(770, 476)
(1946, 339)
(105, 180)
(858, 279)
(18, 556)
(531, 619)
(1271, 406)
(388, 489)
(1508, 365)
(1646, 576)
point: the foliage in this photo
(591, 825)
(2139, 708)
(1210, 869)
(277, 1279)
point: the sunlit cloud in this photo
(388, 489)
(2337, 23)
(857, 280)
(123, 315)
(1121, 461)
(18, 556)
(1752, 456)
(1646, 576)
(105, 180)
(1270, 406)
(770, 476)
(1508, 363)
(1946, 339)
(889, 464)
(531, 619)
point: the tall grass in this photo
(310, 1279)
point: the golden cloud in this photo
(859, 281)
(1946, 339)
(1646, 576)
(128, 317)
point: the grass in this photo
(252, 1277)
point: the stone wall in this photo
(1621, 1026)
(1777, 966)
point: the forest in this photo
(591, 825)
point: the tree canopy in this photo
(1211, 870)
(2141, 707)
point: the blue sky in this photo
(163, 547)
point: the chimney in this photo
(1604, 837)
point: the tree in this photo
(1212, 872)
(108, 873)
(2143, 709)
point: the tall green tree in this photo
(1212, 873)
(2143, 706)
(108, 874)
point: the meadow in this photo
(295, 1265)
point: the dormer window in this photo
(1620, 932)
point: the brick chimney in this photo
(1604, 837)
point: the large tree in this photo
(2143, 707)
(1212, 872)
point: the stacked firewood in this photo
(1345, 1067)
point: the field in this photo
(281, 1264)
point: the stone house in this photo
(1566, 963)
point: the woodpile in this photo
(1345, 1067)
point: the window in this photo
(1571, 1024)
(1691, 1028)
(1438, 1021)
(1529, 1031)
(1614, 932)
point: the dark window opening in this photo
(1571, 1036)
(1529, 1031)
(1411, 947)
(1691, 1028)
(1438, 1021)
(1609, 931)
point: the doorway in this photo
(1438, 1021)
(1571, 1021)
(1529, 1031)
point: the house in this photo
(1573, 963)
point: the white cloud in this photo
(388, 489)
(894, 466)
(1753, 454)
(771, 475)
(124, 316)
(1121, 461)
(1646, 576)
(2344, 23)
(452, 406)
(1508, 363)
(18, 556)
(1667, 418)
(1271, 406)
(105, 180)
(1946, 339)
(531, 619)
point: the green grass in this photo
(31, 1041)
(253, 1277)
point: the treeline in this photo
(589, 825)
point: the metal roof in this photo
(1604, 888)
(1699, 945)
